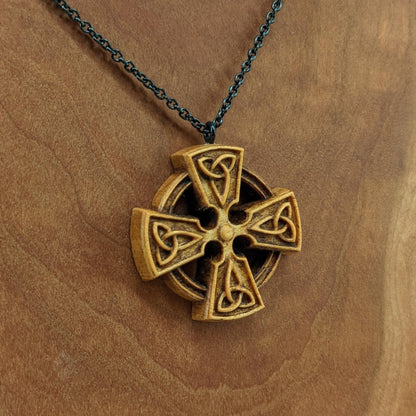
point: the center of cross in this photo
(226, 232)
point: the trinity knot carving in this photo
(216, 232)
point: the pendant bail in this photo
(209, 132)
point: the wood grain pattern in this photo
(328, 111)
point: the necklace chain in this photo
(208, 129)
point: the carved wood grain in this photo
(328, 112)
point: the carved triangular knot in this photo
(170, 241)
(223, 284)
(234, 295)
(218, 172)
(278, 224)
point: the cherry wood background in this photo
(328, 111)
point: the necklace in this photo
(216, 231)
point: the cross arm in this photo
(215, 172)
(232, 292)
(163, 242)
(274, 224)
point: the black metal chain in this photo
(208, 129)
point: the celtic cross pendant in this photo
(216, 232)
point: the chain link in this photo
(208, 129)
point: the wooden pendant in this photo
(216, 232)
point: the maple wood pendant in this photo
(216, 231)
(218, 217)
